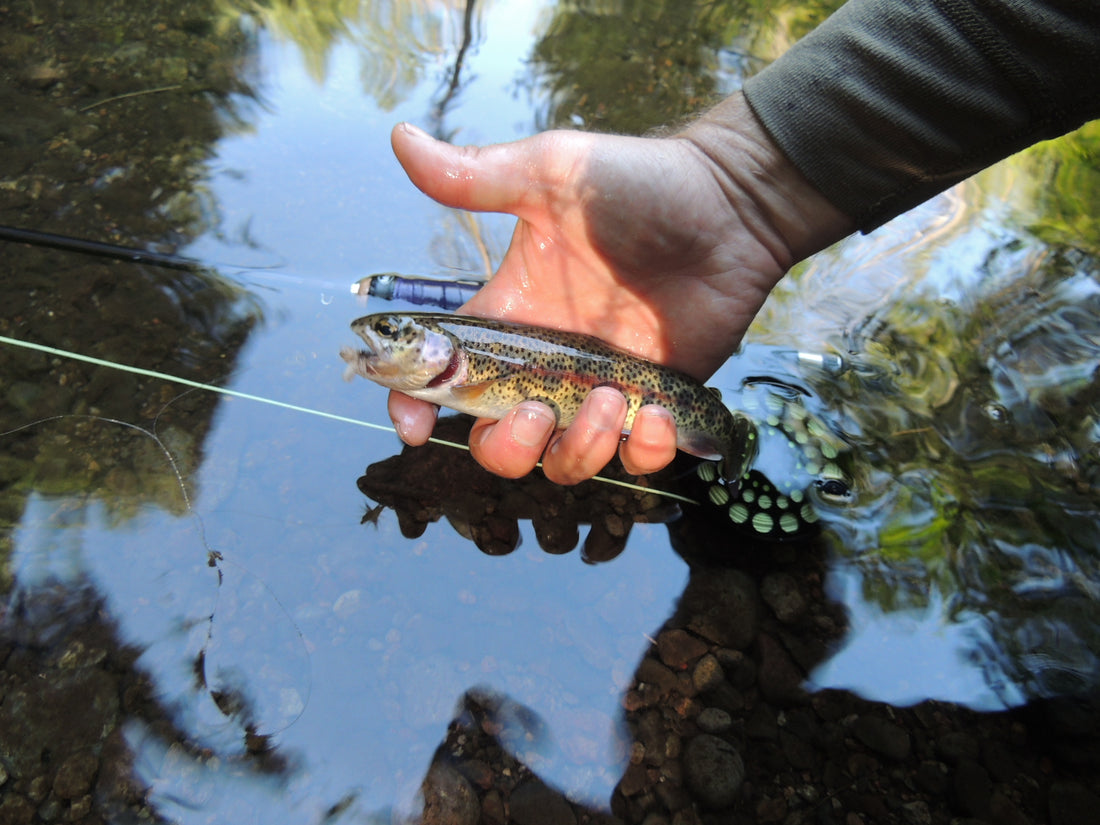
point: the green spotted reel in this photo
(805, 455)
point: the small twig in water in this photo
(128, 95)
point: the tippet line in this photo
(100, 362)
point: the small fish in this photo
(485, 368)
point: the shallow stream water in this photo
(218, 610)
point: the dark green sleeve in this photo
(890, 101)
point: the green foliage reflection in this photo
(395, 40)
(633, 65)
(978, 462)
(1068, 192)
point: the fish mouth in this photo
(359, 362)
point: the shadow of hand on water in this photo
(424, 484)
(716, 720)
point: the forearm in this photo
(775, 201)
(891, 101)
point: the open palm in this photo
(628, 239)
(649, 244)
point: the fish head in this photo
(401, 352)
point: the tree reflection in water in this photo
(971, 402)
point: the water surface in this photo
(210, 617)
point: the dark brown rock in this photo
(75, 776)
(779, 678)
(714, 770)
(707, 674)
(449, 799)
(677, 648)
(532, 803)
(780, 592)
(1071, 803)
(882, 736)
(724, 607)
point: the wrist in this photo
(775, 201)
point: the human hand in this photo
(665, 248)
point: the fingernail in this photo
(414, 131)
(654, 413)
(605, 407)
(531, 425)
(406, 426)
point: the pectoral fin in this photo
(737, 453)
(741, 451)
(471, 394)
(700, 444)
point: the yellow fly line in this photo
(100, 362)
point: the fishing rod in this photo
(132, 254)
(445, 293)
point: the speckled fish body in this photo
(485, 368)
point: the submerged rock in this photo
(714, 770)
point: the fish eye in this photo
(834, 488)
(385, 327)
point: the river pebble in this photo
(724, 607)
(882, 736)
(677, 648)
(533, 803)
(449, 799)
(779, 678)
(1072, 803)
(75, 775)
(954, 747)
(714, 720)
(973, 788)
(707, 674)
(916, 813)
(714, 770)
(780, 592)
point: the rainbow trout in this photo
(485, 368)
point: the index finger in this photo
(413, 419)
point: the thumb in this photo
(504, 177)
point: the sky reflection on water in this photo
(351, 645)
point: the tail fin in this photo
(741, 449)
